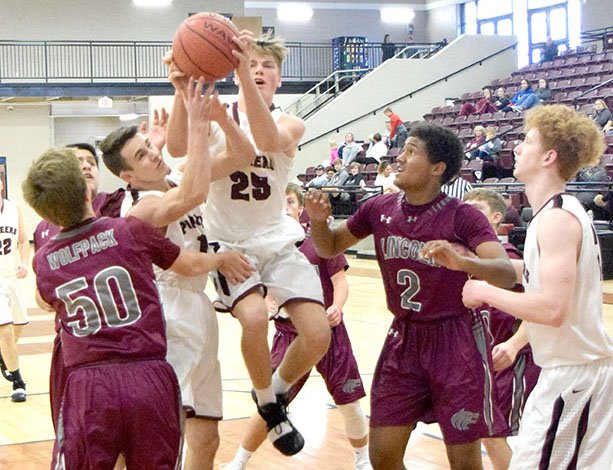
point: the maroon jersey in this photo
(99, 279)
(326, 268)
(107, 204)
(418, 289)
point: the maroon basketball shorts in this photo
(437, 371)
(338, 367)
(513, 386)
(133, 408)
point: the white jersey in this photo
(186, 232)
(249, 202)
(582, 338)
(9, 236)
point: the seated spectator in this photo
(602, 114)
(398, 132)
(511, 215)
(321, 178)
(524, 99)
(550, 51)
(591, 174)
(484, 105)
(356, 179)
(457, 188)
(374, 153)
(385, 177)
(340, 175)
(543, 92)
(349, 150)
(474, 144)
(502, 100)
(488, 151)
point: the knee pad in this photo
(355, 420)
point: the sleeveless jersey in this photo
(98, 277)
(418, 289)
(582, 338)
(9, 235)
(186, 232)
(249, 202)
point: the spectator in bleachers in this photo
(388, 48)
(524, 99)
(340, 175)
(543, 92)
(374, 153)
(385, 177)
(333, 151)
(488, 151)
(475, 143)
(321, 178)
(349, 150)
(398, 133)
(457, 188)
(511, 215)
(550, 50)
(484, 105)
(502, 100)
(591, 174)
(602, 114)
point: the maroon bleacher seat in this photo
(554, 74)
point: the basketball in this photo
(203, 46)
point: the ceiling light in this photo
(295, 12)
(128, 117)
(397, 15)
(151, 3)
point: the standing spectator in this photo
(333, 151)
(398, 132)
(388, 48)
(550, 51)
(385, 177)
(374, 153)
(484, 105)
(502, 100)
(511, 216)
(591, 174)
(543, 92)
(524, 99)
(602, 113)
(349, 150)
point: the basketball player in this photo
(121, 396)
(246, 211)
(514, 380)
(172, 202)
(338, 367)
(14, 259)
(435, 363)
(568, 415)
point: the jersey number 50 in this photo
(83, 309)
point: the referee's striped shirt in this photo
(457, 188)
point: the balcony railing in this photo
(36, 62)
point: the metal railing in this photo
(23, 62)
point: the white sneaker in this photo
(363, 465)
(234, 465)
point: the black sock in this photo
(16, 375)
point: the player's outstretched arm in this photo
(491, 264)
(559, 239)
(504, 354)
(232, 264)
(269, 136)
(177, 123)
(329, 242)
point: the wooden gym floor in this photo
(26, 432)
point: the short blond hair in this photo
(274, 46)
(55, 187)
(575, 138)
(493, 200)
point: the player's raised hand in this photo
(244, 41)
(472, 293)
(444, 254)
(234, 266)
(317, 205)
(334, 315)
(218, 109)
(157, 132)
(175, 74)
(197, 103)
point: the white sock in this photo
(242, 455)
(280, 385)
(361, 454)
(265, 395)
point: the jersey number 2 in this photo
(89, 322)
(260, 189)
(404, 277)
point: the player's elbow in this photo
(557, 316)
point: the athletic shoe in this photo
(4, 371)
(19, 391)
(232, 466)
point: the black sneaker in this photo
(4, 370)
(281, 432)
(19, 391)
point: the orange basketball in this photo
(203, 46)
